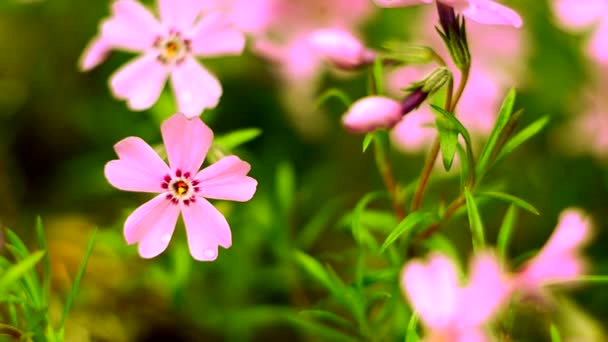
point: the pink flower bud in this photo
(341, 48)
(372, 112)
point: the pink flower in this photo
(559, 260)
(449, 311)
(341, 48)
(482, 11)
(181, 187)
(580, 15)
(370, 113)
(168, 48)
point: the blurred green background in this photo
(58, 126)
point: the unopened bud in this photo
(454, 35)
(370, 113)
(436, 79)
(341, 48)
(408, 54)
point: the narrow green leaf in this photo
(74, 290)
(327, 316)
(313, 228)
(506, 230)
(501, 122)
(18, 270)
(356, 225)
(30, 279)
(411, 334)
(511, 199)
(334, 93)
(406, 226)
(555, 335)
(448, 136)
(315, 269)
(14, 240)
(465, 134)
(523, 136)
(237, 138)
(285, 186)
(321, 331)
(477, 230)
(46, 262)
(369, 137)
(378, 76)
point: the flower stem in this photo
(385, 168)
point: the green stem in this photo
(385, 168)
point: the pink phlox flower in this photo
(583, 14)
(168, 48)
(559, 259)
(450, 311)
(341, 48)
(482, 11)
(181, 187)
(372, 112)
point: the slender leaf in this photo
(19, 270)
(285, 186)
(477, 230)
(369, 137)
(411, 334)
(506, 230)
(334, 93)
(327, 316)
(14, 240)
(523, 136)
(311, 230)
(406, 226)
(448, 136)
(356, 225)
(321, 331)
(465, 134)
(501, 122)
(237, 138)
(511, 199)
(316, 270)
(76, 285)
(378, 74)
(555, 335)
(46, 263)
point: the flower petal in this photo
(372, 112)
(206, 228)
(152, 225)
(187, 142)
(178, 14)
(140, 81)
(577, 14)
(195, 88)
(433, 290)
(95, 53)
(131, 27)
(572, 231)
(492, 13)
(216, 35)
(227, 180)
(486, 292)
(598, 45)
(400, 3)
(138, 169)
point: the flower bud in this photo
(341, 48)
(436, 79)
(370, 113)
(408, 53)
(454, 35)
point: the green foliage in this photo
(334, 93)
(448, 135)
(511, 199)
(523, 136)
(506, 231)
(477, 230)
(234, 139)
(405, 228)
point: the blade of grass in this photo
(506, 230)
(76, 285)
(46, 263)
(18, 270)
(475, 222)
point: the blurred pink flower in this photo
(482, 11)
(168, 48)
(449, 311)
(182, 187)
(372, 112)
(341, 48)
(582, 14)
(559, 259)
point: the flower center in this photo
(180, 188)
(172, 49)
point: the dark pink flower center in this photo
(180, 187)
(172, 49)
